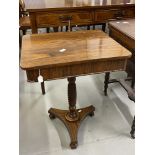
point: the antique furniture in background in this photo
(24, 20)
(123, 31)
(47, 13)
(24, 25)
(68, 55)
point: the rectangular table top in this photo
(65, 48)
(126, 27)
(31, 5)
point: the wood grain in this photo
(46, 13)
(43, 50)
(123, 31)
(72, 127)
(87, 52)
(127, 27)
(24, 22)
(52, 4)
(69, 54)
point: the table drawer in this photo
(60, 18)
(104, 15)
(96, 66)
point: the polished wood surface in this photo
(127, 27)
(72, 127)
(123, 31)
(57, 49)
(63, 54)
(69, 54)
(52, 4)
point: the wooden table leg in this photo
(106, 81)
(133, 129)
(66, 28)
(103, 26)
(72, 118)
(43, 88)
(88, 27)
(55, 29)
(48, 29)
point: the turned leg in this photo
(73, 117)
(48, 30)
(61, 28)
(88, 27)
(24, 32)
(103, 26)
(71, 28)
(72, 114)
(106, 81)
(66, 28)
(133, 80)
(43, 88)
(20, 40)
(133, 129)
(55, 29)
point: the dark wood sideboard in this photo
(58, 12)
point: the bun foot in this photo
(51, 116)
(91, 114)
(73, 145)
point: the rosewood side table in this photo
(68, 55)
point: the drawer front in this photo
(77, 69)
(129, 13)
(104, 15)
(60, 18)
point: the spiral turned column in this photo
(72, 115)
